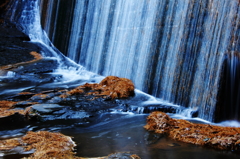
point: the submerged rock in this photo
(151, 138)
(122, 155)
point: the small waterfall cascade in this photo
(26, 18)
(218, 41)
(25, 15)
(172, 49)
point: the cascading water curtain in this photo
(172, 49)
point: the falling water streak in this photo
(215, 43)
(78, 17)
(131, 40)
(167, 81)
(50, 8)
(27, 20)
(232, 75)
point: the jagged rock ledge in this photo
(87, 100)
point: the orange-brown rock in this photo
(7, 104)
(46, 144)
(8, 112)
(6, 108)
(9, 144)
(110, 87)
(227, 138)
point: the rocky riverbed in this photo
(43, 95)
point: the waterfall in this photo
(172, 49)
(25, 16)
(216, 42)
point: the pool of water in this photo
(125, 133)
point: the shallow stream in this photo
(112, 131)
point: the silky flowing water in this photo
(126, 134)
(111, 132)
(171, 49)
(117, 132)
(114, 131)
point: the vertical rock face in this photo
(171, 49)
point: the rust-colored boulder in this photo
(224, 138)
(7, 108)
(46, 144)
(110, 87)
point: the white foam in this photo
(150, 98)
(10, 74)
(229, 123)
(153, 100)
(6, 74)
(180, 116)
(120, 112)
(71, 74)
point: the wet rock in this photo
(45, 108)
(26, 80)
(151, 108)
(42, 66)
(224, 138)
(7, 104)
(12, 48)
(151, 138)
(25, 104)
(22, 96)
(42, 97)
(122, 155)
(45, 144)
(110, 87)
